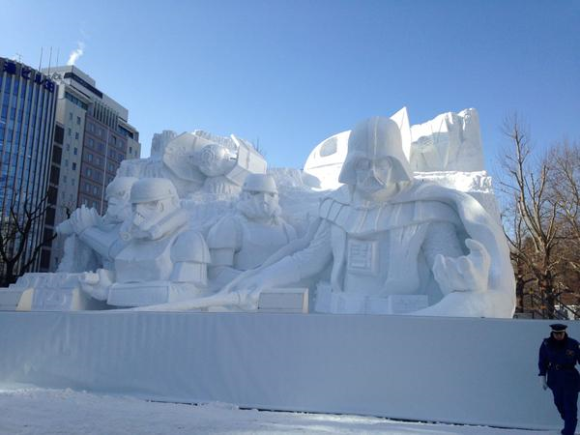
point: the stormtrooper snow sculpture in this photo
(389, 239)
(162, 260)
(245, 239)
(94, 241)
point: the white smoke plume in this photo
(76, 53)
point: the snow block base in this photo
(459, 370)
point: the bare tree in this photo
(535, 236)
(517, 237)
(19, 248)
(565, 158)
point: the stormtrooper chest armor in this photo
(145, 260)
(258, 242)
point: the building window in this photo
(130, 150)
(89, 172)
(66, 163)
(95, 190)
(75, 151)
(70, 116)
(89, 157)
(64, 179)
(76, 101)
(68, 146)
(68, 132)
(74, 166)
(78, 120)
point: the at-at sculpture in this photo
(200, 162)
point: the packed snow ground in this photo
(26, 411)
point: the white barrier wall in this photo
(475, 371)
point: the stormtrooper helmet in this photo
(117, 194)
(152, 189)
(260, 183)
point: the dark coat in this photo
(558, 360)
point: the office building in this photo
(28, 100)
(97, 137)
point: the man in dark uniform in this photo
(558, 357)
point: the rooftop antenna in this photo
(49, 60)
(40, 62)
(18, 57)
(57, 53)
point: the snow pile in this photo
(37, 411)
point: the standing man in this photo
(558, 357)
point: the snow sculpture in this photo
(392, 242)
(386, 241)
(47, 292)
(93, 241)
(450, 142)
(160, 141)
(326, 159)
(200, 161)
(161, 262)
(245, 239)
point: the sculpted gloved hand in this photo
(97, 284)
(543, 382)
(248, 292)
(83, 218)
(466, 273)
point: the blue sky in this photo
(292, 73)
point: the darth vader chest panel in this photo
(383, 263)
(365, 261)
